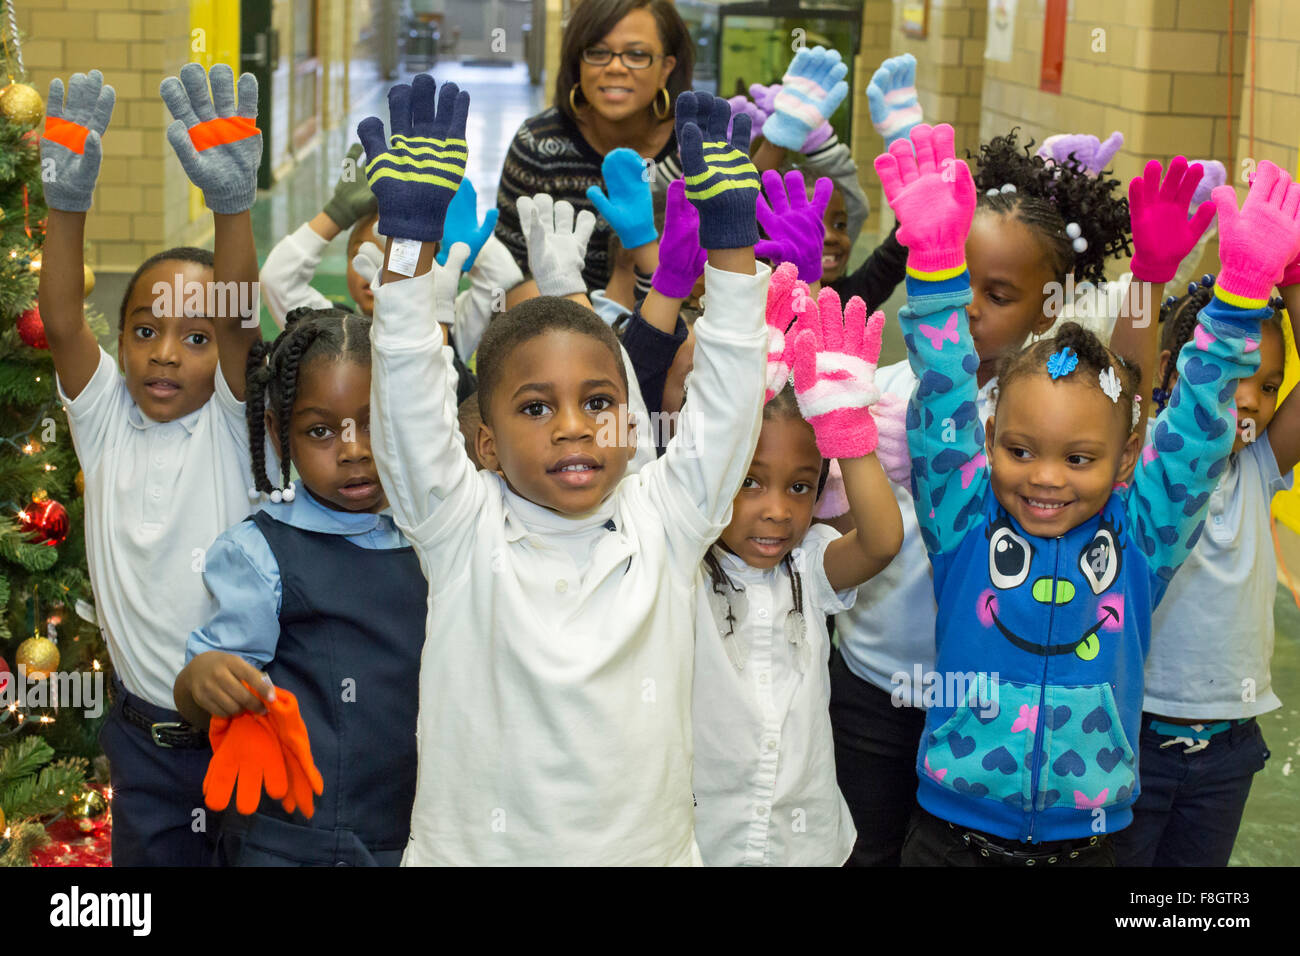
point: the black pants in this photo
(935, 842)
(875, 763)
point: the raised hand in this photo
(811, 90)
(70, 148)
(463, 226)
(933, 196)
(416, 174)
(787, 300)
(557, 243)
(762, 104)
(1088, 151)
(681, 260)
(216, 138)
(721, 182)
(834, 360)
(891, 97)
(795, 226)
(757, 116)
(1212, 178)
(628, 206)
(352, 197)
(1258, 241)
(890, 414)
(1162, 233)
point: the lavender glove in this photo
(1212, 177)
(681, 260)
(764, 98)
(795, 226)
(757, 116)
(1090, 152)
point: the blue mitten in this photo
(721, 181)
(217, 141)
(463, 225)
(628, 207)
(892, 98)
(811, 90)
(70, 148)
(416, 176)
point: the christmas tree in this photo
(46, 606)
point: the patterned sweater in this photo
(550, 155)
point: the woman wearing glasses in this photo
(622, 65)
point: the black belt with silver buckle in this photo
(167, 733)
(1059, 852)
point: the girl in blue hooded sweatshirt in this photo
(1047, 567)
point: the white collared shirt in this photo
(157, 495)
(555, 702)
(765, 787)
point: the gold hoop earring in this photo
(668, 102)
(573, 93)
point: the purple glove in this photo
(795, 226)
(1091, 153)
(764, 98)
(681, 260)
(1162, 233)
(1214, 177)
(742, 104)
(1258, 241)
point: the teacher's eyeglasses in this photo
(632, 59)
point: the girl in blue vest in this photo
(1045, 573)
(321, 591)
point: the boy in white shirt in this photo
(555, 685)
(164, 448)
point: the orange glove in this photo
(245, 749)
(304, 778)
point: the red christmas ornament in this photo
(31, 329)
(47, 519)
(6, 675)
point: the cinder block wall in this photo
(874, 48)
(1274, 115)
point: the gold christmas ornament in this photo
(88, 280)
(2, 215)
(21, 104)
(80, 482)
(89, 811)
(2, 822)
(40, 657)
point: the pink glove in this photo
(1258, 241)
(890, 414)
(787, 298)
(764, 102)
(834, 362)
(1291, 274)
(833, 501)
(1162, 233)
(933, 196)
(795, 226)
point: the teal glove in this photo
(352, 199)
(463, 226)
(628, 207)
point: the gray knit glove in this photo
(217, 142)
(557, 243)
(70, 147)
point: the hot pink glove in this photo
(795, 227)
(890, 413)
(1291, 274)
(787, 298)
(1258, 241)
(933, 196)
(834, 362)
(1162, 233)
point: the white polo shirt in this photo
(765, 788)
(555, 699)
(157, 495)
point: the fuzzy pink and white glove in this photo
(787, 299)
(890, 414)
(834, 361)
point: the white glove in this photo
(557, 243)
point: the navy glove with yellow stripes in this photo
(721, 182)
(415, 177)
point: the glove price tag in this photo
(404, 256)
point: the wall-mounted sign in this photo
(916, 18)
(1001, 38)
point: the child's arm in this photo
(1162, 237)
(70, 157)
(220, 147)
(414, 428)
(933, 195)
(877, 278)
(1284, 429)
(834, 361)
(1195, 433)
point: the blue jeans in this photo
(1191, 803)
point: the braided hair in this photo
(1178, 318)
(1094, 359)
(1061, 204)
(272, 378)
